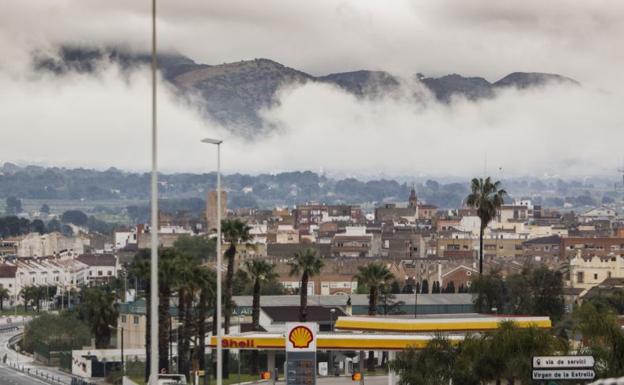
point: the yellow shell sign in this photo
(300, 337)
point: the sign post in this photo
(563, 368)
(301, 353)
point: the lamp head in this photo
(212, 141)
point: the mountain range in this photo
(232, 94)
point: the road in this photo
(9, 376)
(372, 380)
(31, 373)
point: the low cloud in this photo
(103, 120)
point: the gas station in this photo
(368, 333)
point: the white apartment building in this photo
(52, 244)
(586, 273)
(54, 271)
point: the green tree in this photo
(431, 366)
(13, 206)
(519, 293)
(602, 337)
(487, 197)
(207, 279)
(199, 247)
(547, 293)
(235, 232)
(489, 292)
(45, 209)
(503, 354)
(139, 269)
(613, 299)
(307, 264)
(75, 217)
(374, 276)
(259, 272)
(63, 331)
(37, 226)
(187, 284)
(4, 295)
(98, 309)
(29, 296)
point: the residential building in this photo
(40, 245)
(587, 272)
(212, 211)
(102, 268)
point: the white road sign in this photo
(550, 362)
(570, 374)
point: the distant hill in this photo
(234, 93)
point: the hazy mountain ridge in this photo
(233, 93)
(54, 184)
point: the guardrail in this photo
(40, 375)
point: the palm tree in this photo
(207, 298)
(140, 270)
(235, 232)
(28, 294)
(192, 280)
(373, 276)
(260, 272)
(307, 264)
(4, 294)
(168, 270)
(97, 305)
(487, 197)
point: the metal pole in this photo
(170, 346)
(154, 225)
(330, 369)
(123, 366)
(219, 263)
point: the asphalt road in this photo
(33, 370)
(9, 376)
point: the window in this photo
(136, 319)
(123, 319)
(595, 276)
(99, 272)
(110, 273)
(580, 277)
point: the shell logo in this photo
(300, 337)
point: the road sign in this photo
(564, 374)
(554, 362)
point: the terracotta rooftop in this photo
(97, 259)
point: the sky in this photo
(104, 120)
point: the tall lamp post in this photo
(153, 332)
(332, 311)
(218, 142)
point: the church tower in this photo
(413, 200)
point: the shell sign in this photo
(301, 337)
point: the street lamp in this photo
(123, 367)
(153, 333)
(332, 311)
(218, 142)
